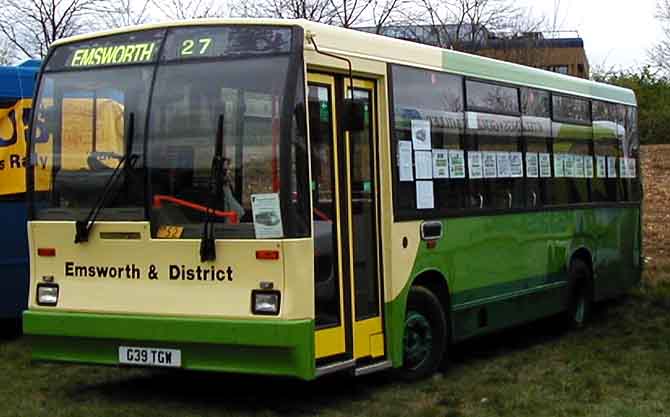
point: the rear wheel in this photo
(425, 338)
(580, 303)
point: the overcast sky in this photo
(616, 32)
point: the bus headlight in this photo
(47, 294)
(265, 302)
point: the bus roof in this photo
(18, 81)
(366, 45)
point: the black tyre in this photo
(426, 335)
(580, 302)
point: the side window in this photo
(428, 130)
(493, 128)
(606, 133)
(572, 134)
(536, 132)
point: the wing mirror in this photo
(353, 117)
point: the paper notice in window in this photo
(601, 167)
(559, 171)
(588, 166)
(267, 216)
(632, 168)
(440, 163)
(611, 166)
(490, 165)
(516, 164)
(475, 165)
(532, 165)
(569, 165)
(423, 162)
(405, 161)
(622, 168)
(425, 199)
(504, 165)
(580, 169)
(421, 135)
(457, 164)
(545, 165)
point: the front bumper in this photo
(269, 347)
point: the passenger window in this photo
(632, 152)
(536, 130)
(606, 132)
(572, 159)
(493, 136)
(428, 125)
(492, 98)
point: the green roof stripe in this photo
(486, 68)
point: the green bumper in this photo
(269, 347)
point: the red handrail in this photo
(160, 198)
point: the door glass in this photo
(326, 289)
(363, 185)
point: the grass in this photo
(618, 366)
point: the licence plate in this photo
(144, 356)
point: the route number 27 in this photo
(195, 46)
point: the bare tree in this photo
(345, 13)
(314, 10)
(464, 24)
(659, 54)
(188, 9)
(32, 25)
(120, 13)
(6, 52)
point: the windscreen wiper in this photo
(207, 244)
(127, 161)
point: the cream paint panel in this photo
(402, 259)
(162, 296)
(298, 294)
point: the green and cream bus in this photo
(283, 197)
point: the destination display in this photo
(181, 43)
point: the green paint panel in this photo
(516, 265)
(260, 347)
(475, 66)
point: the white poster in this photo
(423, 162)
(588, 166)
(559, 171)
(424, 195)
(601, 167)
(579, 166)
(504, 165)
(545, 165)
(457, 164)
(405, 160)
(632, 168)
(569, 165)
(475, 166)
(267, 216)
(532, 165)
(611, 166)
(440, 163)
(490, 165)
(516, 164)
(421, 135)
(623, 173)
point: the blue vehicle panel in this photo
(16, 85)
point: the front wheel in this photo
(425, 338)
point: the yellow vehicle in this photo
(284, 197)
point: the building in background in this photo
(561, 51)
